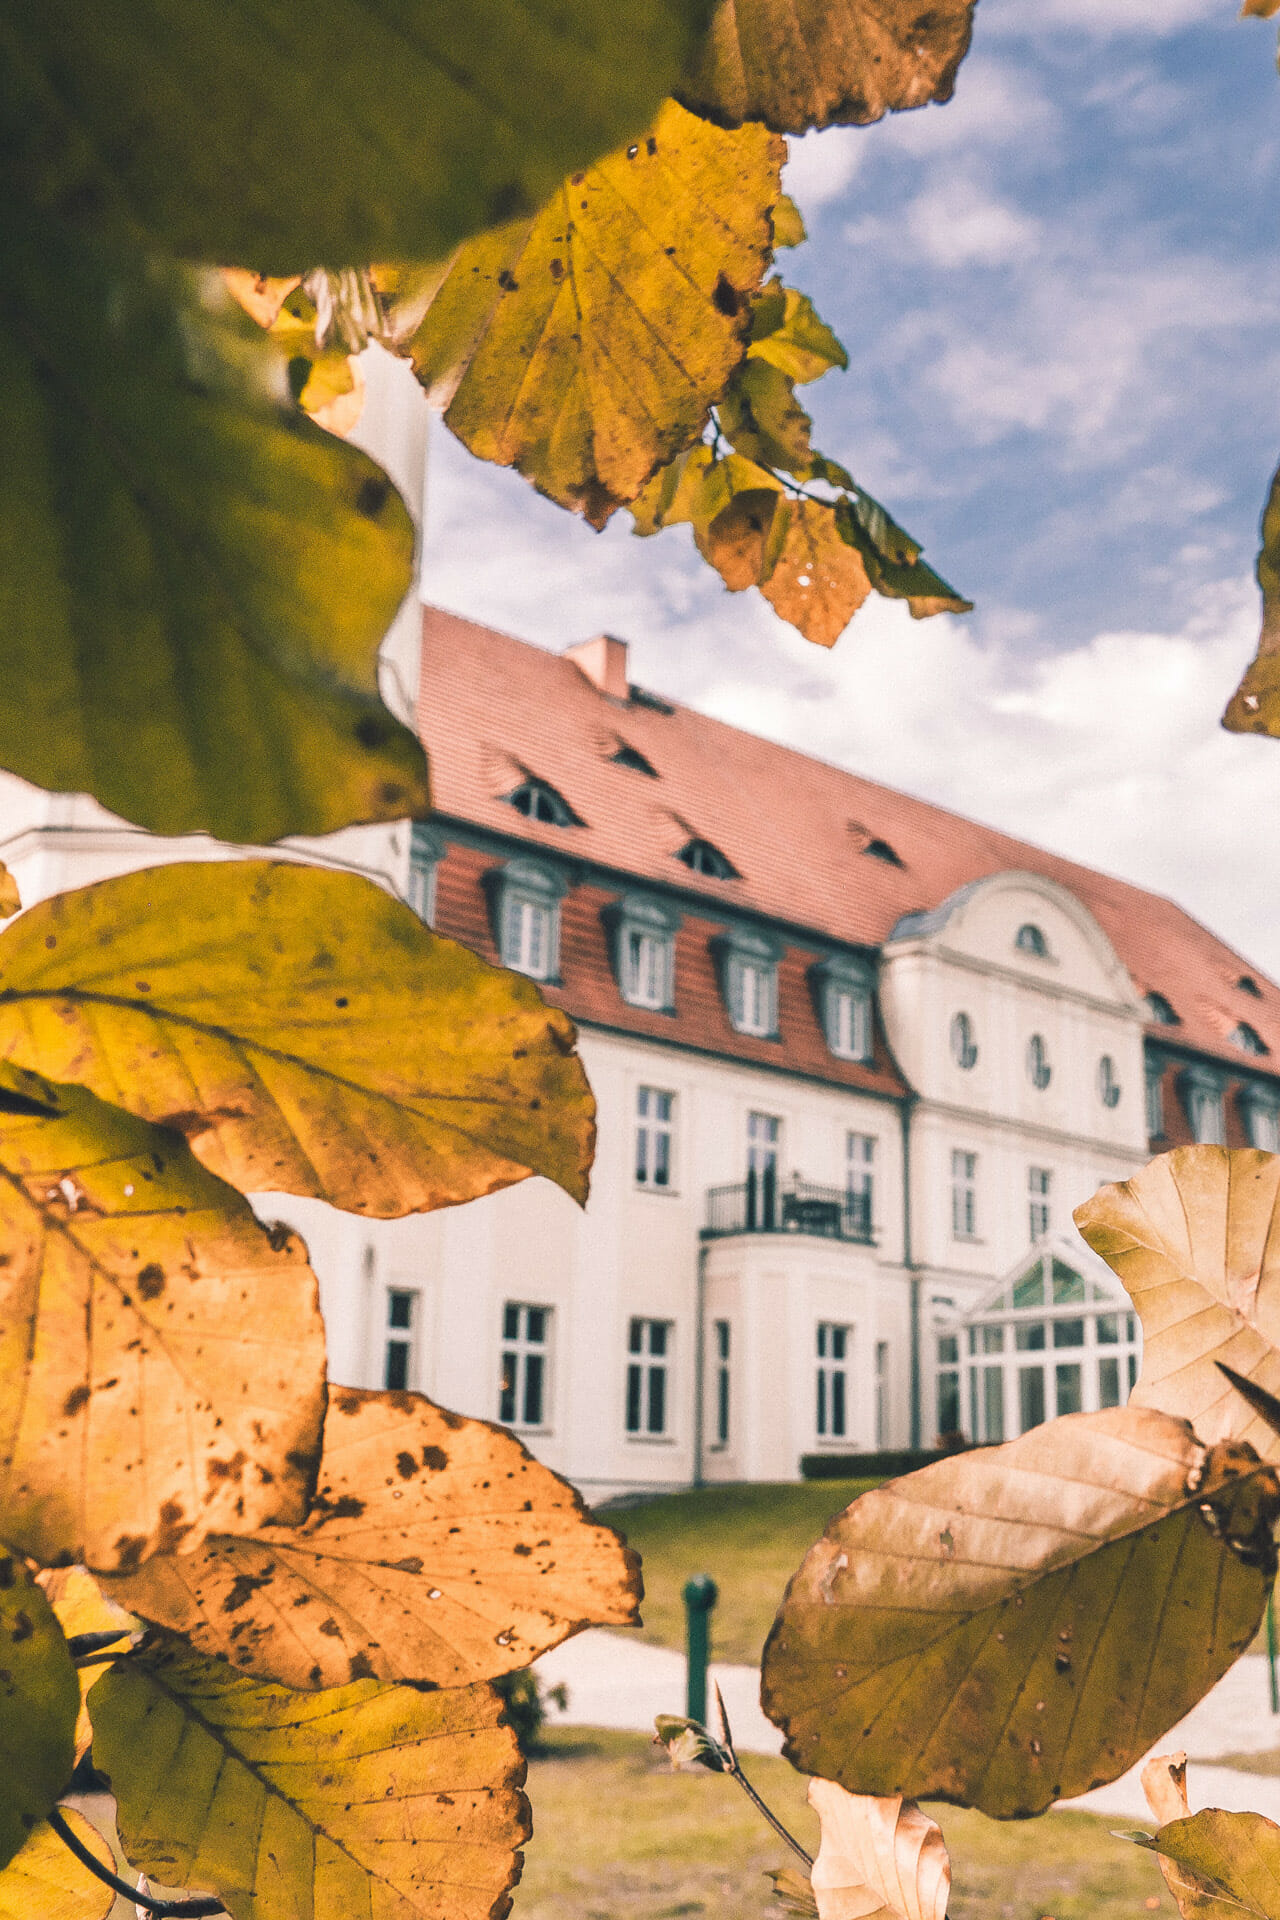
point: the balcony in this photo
(762, 1204)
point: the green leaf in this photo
(161, 1352)
(792, 337)
(39, 1700)
(863, 523)
(45, 1881)
(688, 1744)
(1012, 1626)
(1231, 1862)
(586, 347)
(797, 64)
(347, 131)
(363, 1800)
(303, 1029)
(437, 1549)
(788, 223)
(195, 578)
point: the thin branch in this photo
(84, 1646)
(734, 1770)
(191, 1909)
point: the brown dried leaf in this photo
(817, 582)
(1195, 1238)
(437, 1549)
(877, 1855)
(161, 1353)
(1019, 1623)
(797, 64)
(1255, 705)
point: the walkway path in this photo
(617, 1681)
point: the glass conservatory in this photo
(1058, 1337)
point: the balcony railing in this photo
(763, 1204)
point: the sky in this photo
(1059, 294)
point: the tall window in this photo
(426, 851)
(882, 1393)
(1202, 1090)
(722, 1334)
(649, 1348)
(1155, 1099)
(860, 1158)
(964, 1194)
(764, 1134)
(523, 1398)
(399, 1369)
(844, 987)
(1038, 1183)
(964, 1050)
(528, 917)
(1260, 1108)
(749, 964)
(644, 930)
(655, 1122)
(832, 1414)
(1039, 1072)
(1108, 1085)
(948, 1402)
(648, 965)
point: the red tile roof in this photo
(797, 830)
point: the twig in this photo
(88, 1649)
(734, 1770)
(191, 1909)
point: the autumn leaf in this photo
(1255, 704)
(197, 577)
(9, 900)
(878, 1855)
(1020, 1623)
(1221, 1866)
(797, 64)
(38, 1702)
(45, 1881)
(349, 131)
(437, 1549)
(366, 1799)
(372, 1064)
(161, 1353)
(585, 346)
(788, 333)
(1193, 1239)
(818, 580)
(80, 1606)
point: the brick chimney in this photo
(604, 662)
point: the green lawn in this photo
(750, 1539)
(619, 1836)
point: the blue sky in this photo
(1059, 294)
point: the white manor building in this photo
(856, 1060)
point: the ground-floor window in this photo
(832, 1413)
(524, 1389)
(399, 1368)
(722, 1334)
(648, 1399)
(948, 1395)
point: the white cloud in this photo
(956, 223)
(1100, 19)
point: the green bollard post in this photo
(700, 1595)
(1271, 1650)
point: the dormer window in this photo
(964, 1050)
(1247, 984)
(527, 913)
(749, 973)
(843, 986)
(1202, 1091)
(1030, 939)
(1260, 1107)
(644, 937)
(1039, 1072)
(1248, 1039)
(426, 850)
(1160, 1011)
(632, 757)
(537, 801)
(701, 857)
(881, 850)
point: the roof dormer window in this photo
(1248, 1039)
(701, 857)
(1247, 984)
(632, 757)
(1161, 1012)
(1030, 939)
(538, 801)
(843, 985)
(881, 850)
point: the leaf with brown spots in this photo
(45, 1881)
(130, 1423)
(304, 1030)
(38, 1703)
(797, 64)
(367, 1799)
(82, 1607)
(585, 347)
(1021, 1623)
(437, 1549)
(9, 898)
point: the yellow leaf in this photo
(9, 900)
(1255, 704)
(877, 1855)
(760, 414)
(38, 1702)
(45, 1881)
(259, 295)
(741, 543)
(437, 1549)
(161, 1353)
(1222, 1866)
(1259, 9)
(797, 64)
(818, 582)
(789, 334)
(1015, 1625)
(81, 1607)
(303, 1029)
(334, 393)
(1193, 1239)
(586, 346)
(367, 1799)
(788, 222)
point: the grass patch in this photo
(750, 1539)
(619, 1836)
